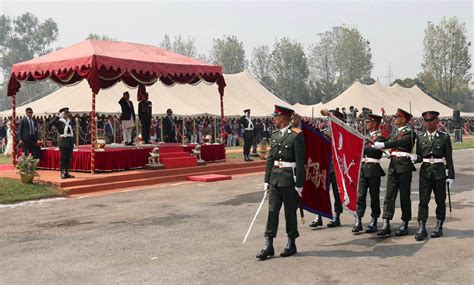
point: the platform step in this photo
(169, 149)
(121, 185)
(144, 174)
(174, 154)
(179, 162)
(208, 177)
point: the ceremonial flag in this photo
(347, 150)
(315, 197)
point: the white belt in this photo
(248, 129)
(67, 136)
(400, 154)
(369, 159)
(282, 164)
(433, 160)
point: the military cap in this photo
(403, 113)
(284, 111)
(246, 110)
(65, 110)
(430, 115)
(375, 118)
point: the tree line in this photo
(310, 75)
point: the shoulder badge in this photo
(296, 130)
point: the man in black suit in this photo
(169, 128)
(109, 130)
(128, 118)
(28, 134)
(144, 114)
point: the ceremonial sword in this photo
(255, 217)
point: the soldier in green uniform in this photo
(66, 140)
(433, 149)
(370, 174)
(284, 180)
(399, 172)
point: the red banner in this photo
(315, 198)
(347, 150)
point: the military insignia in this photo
(296, 130)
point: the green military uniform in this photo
(399, 173)
(370, 174)
(285, 148)
(431, 151)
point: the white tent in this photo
(376, 96)
(243, 91)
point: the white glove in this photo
(300, 191)
(378, 145)
(450, 183)
(413, 157)
(265, 187)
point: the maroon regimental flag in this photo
(347, 150)
(315, 198)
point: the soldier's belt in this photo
(283, 164)
(433, 160)
(370, 160)
(67, 136)
(248, 129)
(400, 154)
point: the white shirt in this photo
(284, 130)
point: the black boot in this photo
(317, 222)
(372, 227)
(386, 230)
(336, 222)
(63, 174)
(438, 231)
(421, 234)
(67, 174)
(267, 250)
(403, 230)
(358, 225)
(290, 248)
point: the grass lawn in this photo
(12, 191)
(4, 159)
(468, 142)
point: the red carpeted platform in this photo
(208, 177)
(5, 167)
(176, 157)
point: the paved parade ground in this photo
(192, 233)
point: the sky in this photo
(395, 29)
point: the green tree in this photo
(23, 38)
(260, 65)
(180, 45)
(324, 73)
(353, 56)
(229, 52)
(100, 37)
(447, 61)
(290, 71)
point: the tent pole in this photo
(14, 153)
(93, 133)
(222, 117)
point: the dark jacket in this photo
(66, 142)
(289, 148)
(169, 131)
(24, 130)
(128, 112)
(144, 110)
(372, 169)
(440, 147)
(401, 141)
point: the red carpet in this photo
(209, 177)
(4, 167)
(176, 157)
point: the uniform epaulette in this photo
(275, 131)
(443, 132)
(296, 130)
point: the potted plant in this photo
(26, 166)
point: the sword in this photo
(449, 197)
(255, 217)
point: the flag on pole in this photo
(347, 151)
(315, 197)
